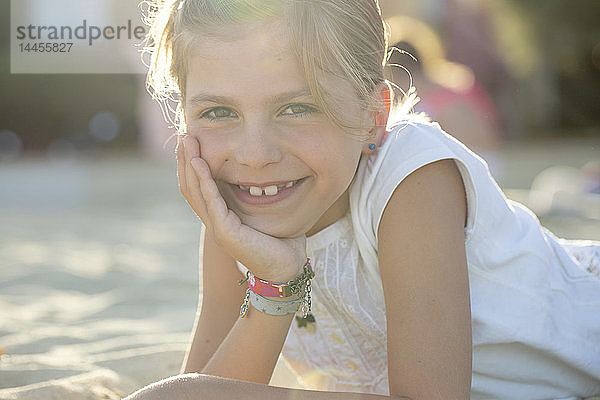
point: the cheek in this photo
(337, 168)
(330, 141)
(335, 154)
(348, 154)
(211, 150)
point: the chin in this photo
(278, 230)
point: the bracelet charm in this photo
(244, 307)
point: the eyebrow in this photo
(200, 98)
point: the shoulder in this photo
(419, 134)
(433, 193)
(407, 147)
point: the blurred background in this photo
(99, 252)
(538, 62)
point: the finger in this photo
(181, 169)
(192, 186)
(216, 208)
(226, 226)
(181, 166)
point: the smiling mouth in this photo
(270, 190)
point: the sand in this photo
(99, 277)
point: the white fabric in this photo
(535, 299)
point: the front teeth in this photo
(269, 190)
(255, 191)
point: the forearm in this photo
(202, 346)
(203, 387)
(251, 349)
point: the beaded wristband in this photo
(301, 285)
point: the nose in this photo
(258, 147)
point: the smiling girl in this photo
(411, 273)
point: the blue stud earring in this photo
(372, 146)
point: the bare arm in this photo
(219, 308)
(224, 344)
(206, 387)
(424, 274)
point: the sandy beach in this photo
(98, 280)
(99, 276)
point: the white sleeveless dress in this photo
(535, 299)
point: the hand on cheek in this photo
(267, 257)
(185, 174)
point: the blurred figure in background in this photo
(449, 92)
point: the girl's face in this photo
(280, 164)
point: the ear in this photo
(382, 99)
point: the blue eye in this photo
(218, 113)
(298, 110)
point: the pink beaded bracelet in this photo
(300, 286)
(288, 289)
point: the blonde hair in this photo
(346, 38)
